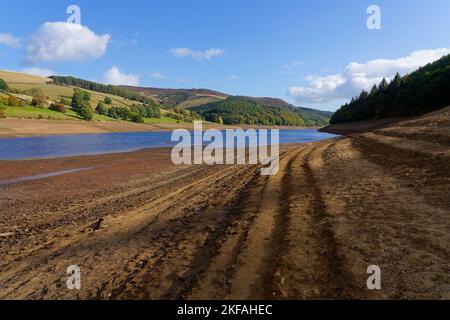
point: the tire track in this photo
(190, 195)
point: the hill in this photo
(149, 91)
(61, 89)
(311, 116)
(420, 92)
(200, 100)
(180, 98)
(244, 110)
(25, 82)
(176, 105)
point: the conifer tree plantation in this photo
(422, 91)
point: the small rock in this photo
(6, 234)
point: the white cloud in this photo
(359, 76)
(62, 41)
(320, 89)
(9, 40)
(232, 77)
(198, 55)
(115, 77)
(157, 75)
(42, 72)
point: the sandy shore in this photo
(142, 228)
(10, 127)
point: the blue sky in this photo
(300, 51)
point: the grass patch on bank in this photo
(55, 92)
(163, 119)
(31, 112)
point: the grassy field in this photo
(35, 113)
(54, 92)
(15, 77)
(163, 119)
(23, 81)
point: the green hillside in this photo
(123, 105)
(422, 91)
(312, 117)
(242, 110)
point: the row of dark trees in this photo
(422, 91)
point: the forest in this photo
(237, 110)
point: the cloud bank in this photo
(359, 76)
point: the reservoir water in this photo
(89, 144)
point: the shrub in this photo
(40, 117)
(101, 109)
(122, 113)
(13, 101)
(64, 101)
(86, 113)
(3, 85)
(58, 107)
(22, 103)
(39, 98)
(80, 104)
(108, 100)
(147, 111)
(137, 118)
(2, 110)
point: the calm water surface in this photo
(88, 144)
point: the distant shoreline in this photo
(19, 128)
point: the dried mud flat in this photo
(142, 228)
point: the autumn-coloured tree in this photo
(39, 99)
(13, 101)
(2, 109)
